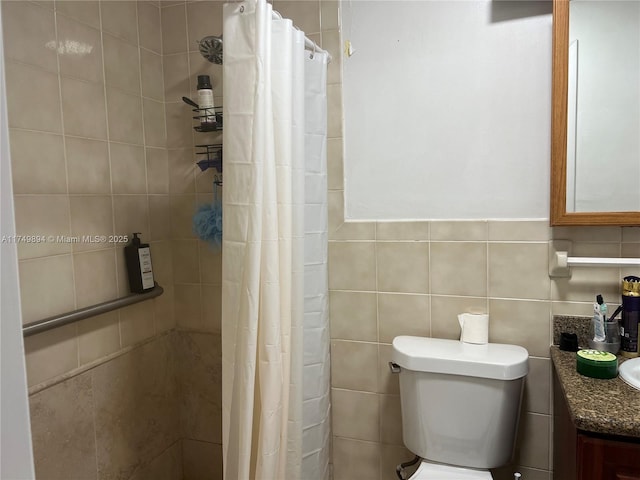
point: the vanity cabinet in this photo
(581, 455)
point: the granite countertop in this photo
(602, 406)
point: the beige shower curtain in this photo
(262, 244)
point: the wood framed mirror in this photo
(559, 125)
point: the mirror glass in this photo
(595, 120)
(603, 106)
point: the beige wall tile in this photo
(157, 160)
(29, 34)
(149, 27)
(631, 234)
(62, 430)
(131, 214)
(166, 466)
(186, 267)
(329, 15)
(46, 287)
(572, 308)
(176, 77)
(409, 231)
(98, 337)
(351, 230)
(135, 398)
(79, 50)
(459, 231)
(519, 270)
(179, 125)
(459, 268)
(26, 110)
(305, 15)
(29, 173)
(335, 164)
(445, 310)
(136, 323)
(519, 230)
(163, 310)
(332, 44)
(537, 395)
(355, 414)
(87, 11)
(521, 322)
(401, 314)
(151, 75)
(353, 316)
(83, 108)
(119, 19)
(533, 441)
(125, 117)
(121, 64)
(88, 166)
(91, 215)
(334, 111)
(51, 353)
(174, 29)
(403, 267)
(128, 169)
(210, 264)
(202, 460)
(46, 217)
(352, 266)
(390, 419)
(188, 307)
(159, 208)
(154, 123)
(387, 381)
(588, 234)
(182, 209)
(95, 277)
(351, 365)
(211, 296)
(199, 360)
(203, 19)
(355, 459)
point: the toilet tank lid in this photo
(453, 357)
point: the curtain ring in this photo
(314, 50)
(241, 8)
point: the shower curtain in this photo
(274, 292)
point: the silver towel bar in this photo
(49, 323)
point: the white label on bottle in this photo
(207, 110)
(144, 254)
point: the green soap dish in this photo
(597, 364)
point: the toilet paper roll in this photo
(474, 327)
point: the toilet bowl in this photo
(436, 471)
(460, 404)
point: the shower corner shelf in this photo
(202, 113)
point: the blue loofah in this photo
(207, 223)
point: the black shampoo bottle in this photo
(138, 258)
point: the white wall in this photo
(608, 105)
(16, 460)
(447, 109)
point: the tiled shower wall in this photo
(129, 394)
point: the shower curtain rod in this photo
(308, 43)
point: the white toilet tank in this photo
(460, 402)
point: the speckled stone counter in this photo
(602, 406)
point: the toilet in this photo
(460, 404)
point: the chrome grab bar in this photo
(55, 321)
